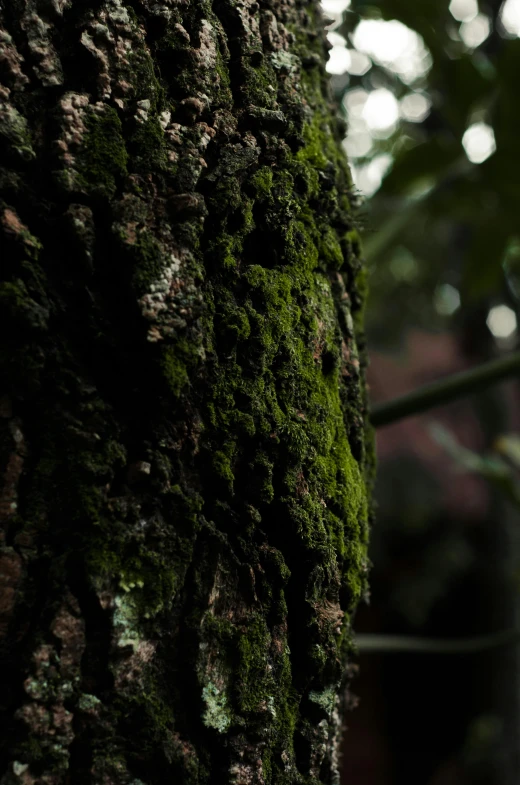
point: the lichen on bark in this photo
(183, 423)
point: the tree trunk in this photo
(183, 417)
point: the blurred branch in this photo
(409, 644)
(445, 390)
(494, 468)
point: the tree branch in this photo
(409, 644)
(445, 390)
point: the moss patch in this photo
(103, 159)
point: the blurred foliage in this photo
(442, 240)
(500, 467)
(437, 218)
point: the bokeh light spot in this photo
(334, 6)
(403, 265)
(446, 299)
(333, 10)
(339, 61)
(369, 177)
(479, 142)
(510, 17)
(501, 321)
(475, 32)
(464, 10)
(358, 145)
(393, 45)
(414, 107)
(359, 63)
(381, 110)
(354, 101)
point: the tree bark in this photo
(183, 431)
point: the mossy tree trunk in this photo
(183, 416)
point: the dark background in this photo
(440, 218)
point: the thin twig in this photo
(445, 390)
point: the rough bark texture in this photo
(182, 430)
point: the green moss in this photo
(290, 385)
(141, 74)
(255, 684)
(259, 83)
(19, 309)
(226, 249)
(235, 323)
(103, 158)
(148, 259)
(320, 147)
(262, 181)
(152, 712)
(244, 423)
(361, 287)
(225, 96)
(223, 249)
(330, 250)
(148, 147)
(223, 469)
(301, 406)
(147, 581)
(354, 240)
(15, 130)
(174, 370)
